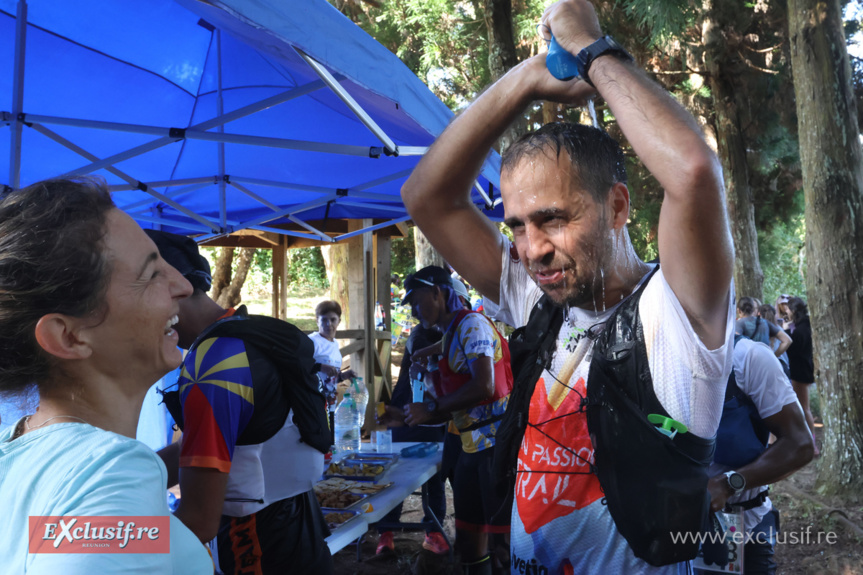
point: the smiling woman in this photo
(86, 314)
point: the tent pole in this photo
(357, 204)
(412, 150)
(172, 195)
(372, 228)
(343, 95)
(18, 95)
(81, 152)
(312, 229)
(220, 110)
(185, 210)
(254, 196)
(212, 123)
(167, 222)
(163, 184)
(288, 233)
(482, 193)
(291, 210)
(382, 180)
(287, 185)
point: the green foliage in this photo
(403, 260)
(782, 257)
(443, 41)
(259, 281)
(660, 19)
(306, 269)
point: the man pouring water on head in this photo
(571, 267)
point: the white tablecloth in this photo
(406, 475)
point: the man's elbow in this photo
(700, 170)
(804, 451)
(204, 528)
(488, 391)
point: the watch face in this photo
(736, 481)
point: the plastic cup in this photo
(384, 441)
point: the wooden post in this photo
(369, 321)
(279, 275)
(283, 295)
(354, 319)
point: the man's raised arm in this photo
(695, 245)
(437, 195)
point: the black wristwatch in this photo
(736, 482)
(603, 46)
(431, 406)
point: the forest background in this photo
(449, 44)
(767, 81)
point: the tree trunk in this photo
(748, 277)
(222, 273)
(336, 261)
(501, 55)
(832, 164)
(229, 295)
(426, 255)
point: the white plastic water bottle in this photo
(347, 424)
(361, 396)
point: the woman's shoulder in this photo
(85, 470)
(87, 449)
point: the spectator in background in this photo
(422, 338)
(783, 316)
(800, 362)
(328, 357)
(768, 312)
(752, 326)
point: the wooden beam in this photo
(353, 347)
(403, 228)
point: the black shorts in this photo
(286, 537)
(474, 497)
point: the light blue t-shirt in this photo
(76, 469)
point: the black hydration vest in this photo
(292, 353)
(654, 486)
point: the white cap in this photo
(460, 289)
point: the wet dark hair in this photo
(798, 309)
(597, 159)
(51, 261)
(328, 306)
(746, 305)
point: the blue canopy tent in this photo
(207, 117)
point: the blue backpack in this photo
(742, 435)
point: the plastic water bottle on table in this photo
(347, 424)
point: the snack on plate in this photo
(342, 493)
(369, 488)
(334, 518)
(355, 470)
(334, 493)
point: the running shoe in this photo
(435, 543)
(385, 543)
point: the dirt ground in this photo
(802, 511)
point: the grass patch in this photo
(300, 310)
